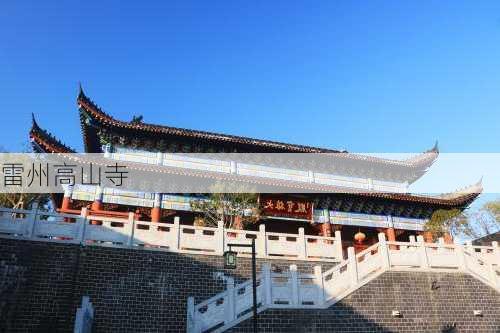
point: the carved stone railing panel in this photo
(291, 290)
(130, 232)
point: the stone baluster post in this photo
(318, 279)
(261, 243)
(31, 221)
(176, 233)
(424, 261)
(441, 244)
(229, 306)
(338, 245)
(268, 283)
(468, 247)
(493, 275)
(459, 252)
(131, 228)
(83, 225)
(352, 266)
(220, 238)
(384, 251)
(302, 245)
(294, 281)
(496, 252)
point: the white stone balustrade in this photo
(174, 237)
(256, 170)
(489, 253)
(291, 290)
(371, 220)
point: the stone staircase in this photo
(291, 290)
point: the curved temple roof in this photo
(90, 113)
(43, 141)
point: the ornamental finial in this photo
(480, 182)
(33, 121)
(80, 90)
(436, 147)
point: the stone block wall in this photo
(428, 302)
(146, 291)
(131, 290)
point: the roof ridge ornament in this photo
(476, 188)
(416, 165)
(137, 120)
(480, 182)
(428, 157)
(435, 149)
(34, 124)
(38, 133)
(80, 89)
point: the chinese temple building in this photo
(383, 205)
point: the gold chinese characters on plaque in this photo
(286, 207)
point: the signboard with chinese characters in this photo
(286, 207)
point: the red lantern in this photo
(359, 237)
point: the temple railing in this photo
(487, 253)
(291, 290)
(183, 202)
(372, 220)
(178, 202)
(256, 170)
(96, 229)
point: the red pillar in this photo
(326, 229)
(448, 239)
(237, 222)
(97, 204)
(155, 214)
(428, 237)
(391, 236)
(66, 203)
(156, 210)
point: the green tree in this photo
(469, 224)
(493, 208)
(236, 209)
(484, 221)
(23, 200)
(444, 221)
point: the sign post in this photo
(230, 262)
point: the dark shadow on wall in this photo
(427, 302)
(147, 290)
(132, 290)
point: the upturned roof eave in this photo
(417, 165)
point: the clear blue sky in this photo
(372, 76)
